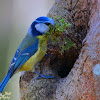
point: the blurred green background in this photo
(15, 19)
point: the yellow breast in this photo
(37, 56)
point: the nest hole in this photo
(62, 64)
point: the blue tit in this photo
(31, 50)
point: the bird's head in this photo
(40, 26)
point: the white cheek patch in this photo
(42, 28)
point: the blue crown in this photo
(43, 18)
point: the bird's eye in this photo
(47, 23)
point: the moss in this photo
(56, 36)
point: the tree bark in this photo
(76, 77)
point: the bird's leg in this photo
(22, 73)
(42, 76)
(47, 55)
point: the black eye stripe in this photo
(47, 23)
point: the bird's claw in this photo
(41, 76)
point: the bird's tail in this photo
(4, 82)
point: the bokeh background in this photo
(15, 19)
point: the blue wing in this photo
(22, 55)
(27, 48)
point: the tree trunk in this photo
(77, 71)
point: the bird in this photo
(31, 50)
